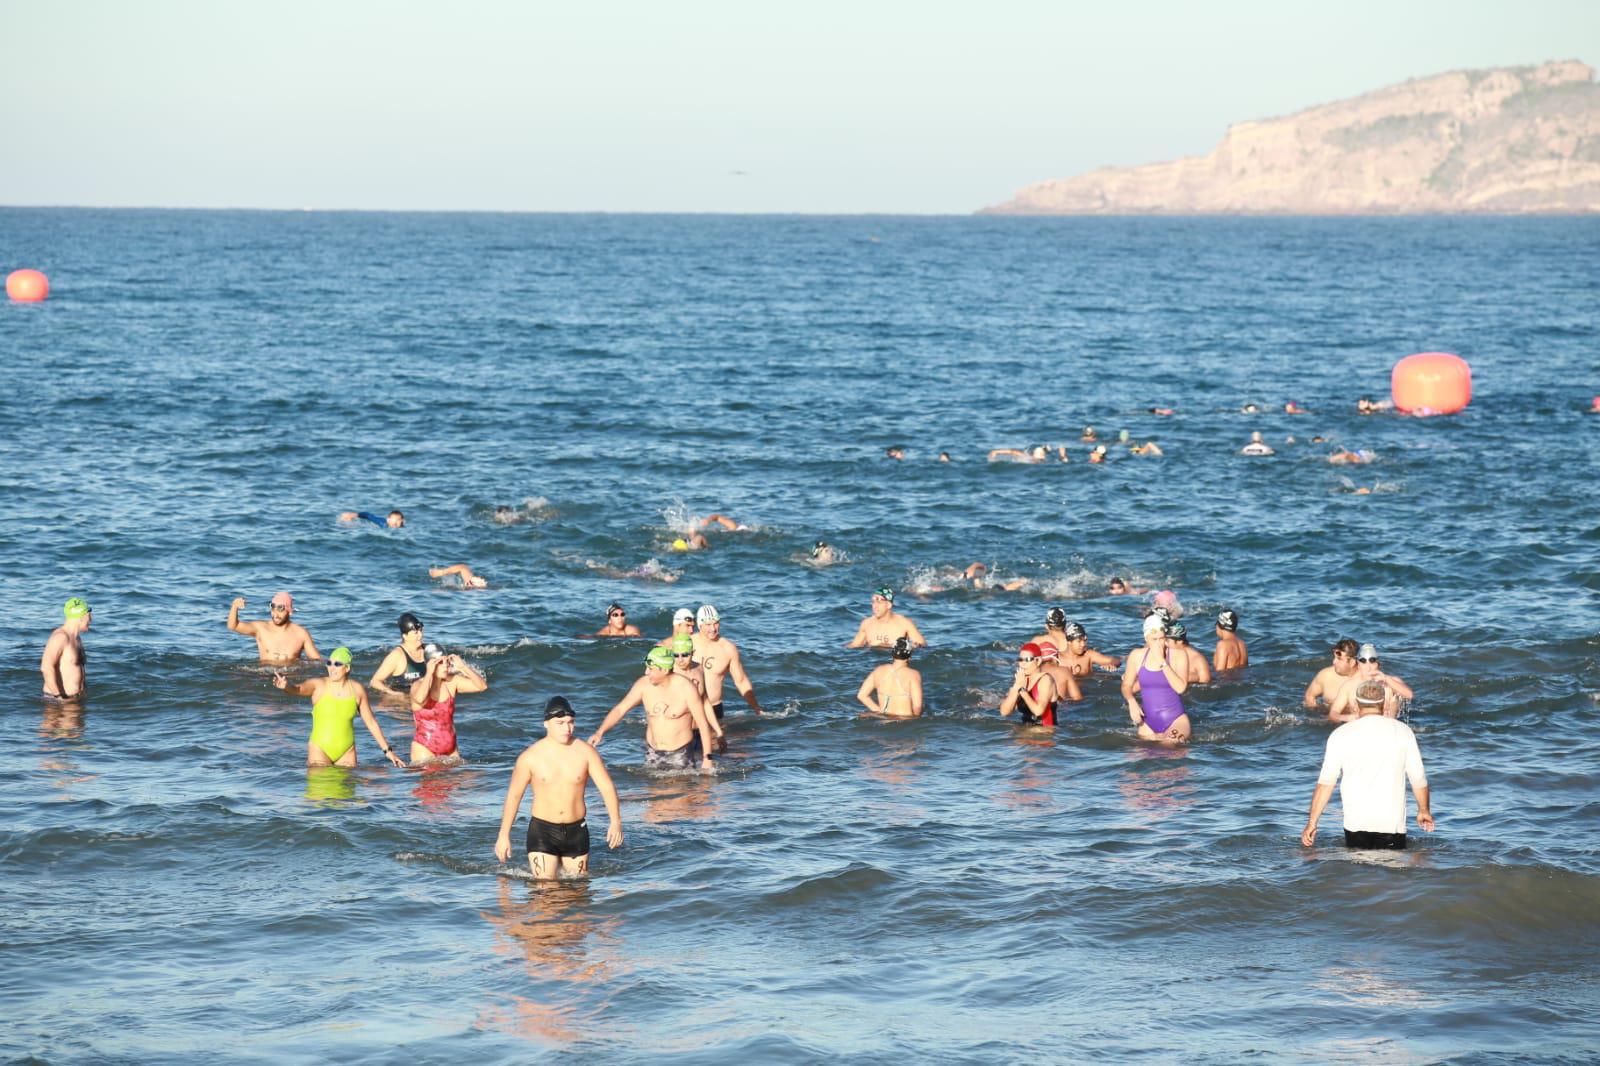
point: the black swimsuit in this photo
(414, 669)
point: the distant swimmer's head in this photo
(558, 707)
(615, 614)
(1088, 433)
(1075, 631)
(339, 657)
(1038, 453)
(894, 452)
(410, 623)
(680, 545)
(1371, 693)
(944, 457)
(1055, 618)
(75, 608)
(1155, 625)
(1250, 409)
(682, 617)
(682, 644)
(821, 550)
(1160, 612)
(1116, 587)
(1228, 621)
(707, 616)
(1255, 436)
(395, 520)
(882, 599)
(902, 648)
(1178, 633)
(659, 659)
(1048, 651)
(1122, 436)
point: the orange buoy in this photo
(27, 286)
(1431, 383)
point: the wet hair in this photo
(1347, 648)
(1371, 693)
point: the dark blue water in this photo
(205, 391)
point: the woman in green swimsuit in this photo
(335, 702)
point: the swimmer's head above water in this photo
(902, 648)
(1055, 618)
(395, 520)
(1116, 587)
(659, 659)
(1228, 621)
(410, 623)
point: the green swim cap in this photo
(660, 658)
(682, 643)
(75, 608)
(340, 655)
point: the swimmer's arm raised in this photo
(634, 697)
(466, 678)
(608, 794)
(247, 628)
(375, 729)
(1398, 687)
(521, 777)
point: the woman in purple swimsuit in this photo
(1157, 709)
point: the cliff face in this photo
(1521, 139)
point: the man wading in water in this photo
(558, 768)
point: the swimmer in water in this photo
(1196, 669)
(719, 658)
(1257, 446)
(1071, 640)
(1330, 679)
(62, 663)
(1036, 454)
(1098, 454)
(1342, 457)
(1167, 600)
(433, 707)
(461, 571)
(1594, 408)
(682, 626)
(1050, 662)
(1149, 447)
(695, 541)
(684, 665)
(617, 624)
(977, 578)
(677, 735)
(894, 689)
(558, 768)
(406, 661)
(894, 452)
(1343, 708)
(1160, 410)
(393, 520)
(1231, 652)
(1249, 409)
(335, 702)
(1117, 587)
(822, 554)
(1089, 436)
(1153, 686)
(278, 640)
(1292, 408)
(1032, 692)
(944, 457)
(883, 626)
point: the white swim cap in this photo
(707, 615)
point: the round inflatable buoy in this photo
(1431, 383)
(27, 286)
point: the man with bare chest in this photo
(720, 660)
(558, 769)
(62, 663)
(278, 639)
(676, 734)
(883, 626)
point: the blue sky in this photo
(624, 106)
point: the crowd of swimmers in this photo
(687, 672)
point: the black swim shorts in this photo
(565, 840)
(1375, 841)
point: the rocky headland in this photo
(1514, 140)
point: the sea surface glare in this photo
(204, 391)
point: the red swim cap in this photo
(1031, 649)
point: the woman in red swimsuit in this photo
(1033, 691)
(433, 707)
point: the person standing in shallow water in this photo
(558, 769)
(278, 639)
(335, 702)
(1330, 679)
(1032, 692)
(883, 626)
(1375, 756)
(433, 707)
(1231, 652)
(894, 689)
(62, 663)
(1153, 685)
(406, 661)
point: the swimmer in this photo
(977, 577)
(335, 702)
(1368, 406)
(617, 624)
(1050, 662)
(1153, 687)
(894, 452)
(1343, 708)
(558, 768)
(468, 579)
(684, 665)
(393, 520)
(1160, 410)
(721, 521)
(1249, 409)
(1292, 408)
(1330, 679)
(1231, 652)
(1071, 640)
(1594, 408)
(1124, 437)
(433, 707)
(883, 626)
(1257, 446)
(1036, 454)
(822, 554)
(1032, 692)
(406, 661)
(1196, 669)
(676, 733)
(944, 457)
(1098, 454)
(1360, 455)
(682, 626)
(719, 658)
(1061, 453)
(1149, 447)
(62, 663)
(695, 541)
(505, 514)
(278, 640)
(1167, 600)
(894, 689)
(1089, 436)
(1118, 587)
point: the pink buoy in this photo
(1431, 383)
(27, 286)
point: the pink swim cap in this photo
(1047, 650)
(283, 599)
(1166, 598)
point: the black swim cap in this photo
(558, 707)
(1073, 631)
(1057, 617)
(902, 648)
(1228, 620)
(409, 621)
